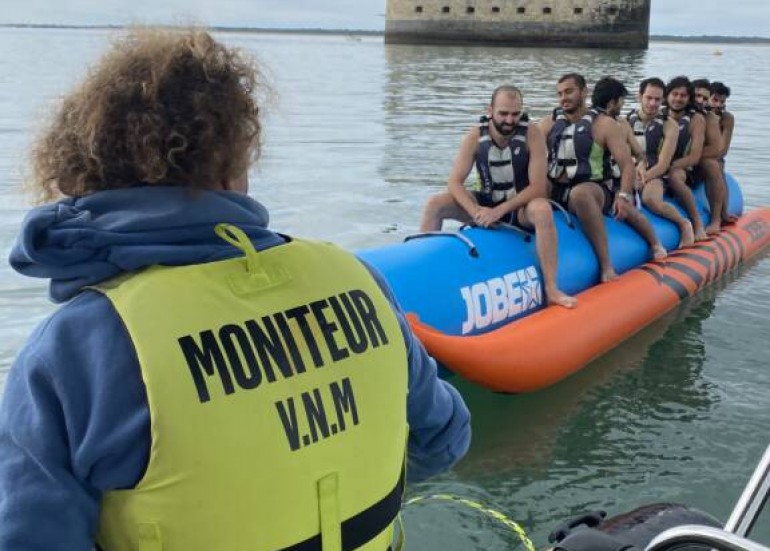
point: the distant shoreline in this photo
(710, 39)
(707, 39)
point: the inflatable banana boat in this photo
(475, 297)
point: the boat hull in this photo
(553, 343)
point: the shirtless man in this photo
(575, 134)
(709, 168)
(657, 136)
(717, 101)
(679, 97)
(510, 159)
(702, 90)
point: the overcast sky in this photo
(682, 17)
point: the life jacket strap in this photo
(329, 513)
(256, 277)
(358, 529)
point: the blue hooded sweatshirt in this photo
(74, 420)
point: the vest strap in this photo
(329, 513)
(238, 238)
(255, 278)
(358, 529)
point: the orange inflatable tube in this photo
(541, 349)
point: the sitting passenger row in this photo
(593, 163)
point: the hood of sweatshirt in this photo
(82, 241)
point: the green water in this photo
(669, 416)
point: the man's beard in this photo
(504, 129)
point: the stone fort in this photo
(560, 23)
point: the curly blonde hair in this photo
(166, 107)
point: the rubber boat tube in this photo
(479, 309)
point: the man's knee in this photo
(710, 167)
(440, 204)
(652, 192)
(676, 175)
(585, 198)
(539, 212)
(708, 162)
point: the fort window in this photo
(612, 11)
(418, 9)
(445, 9)
(546, 10)
(470, 9)
(495, 9)
(521, 10)
(578, 11)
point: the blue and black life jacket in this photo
(649, 134)
(572, 150)
(683, 142)
(501, 172)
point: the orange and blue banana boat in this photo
(475, 297)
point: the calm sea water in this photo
(360, 135)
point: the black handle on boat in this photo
(752, 500)
(591, 520)
(567, 215)
(471, 247)
(506, 226)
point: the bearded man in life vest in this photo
(511, 186)
(582, 141)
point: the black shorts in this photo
(560, 193)
(511, 218)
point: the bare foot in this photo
(729, 218)
(659, 251)
(609, 275)
(688, 236)
(713, 228)
(557, 298)
(700, 234)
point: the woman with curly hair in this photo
(207, 383)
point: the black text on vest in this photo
(317, 406)
(284, 344)
(281, 345)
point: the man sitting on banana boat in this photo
(576, 135)
(510, 159)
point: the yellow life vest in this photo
(276, 384)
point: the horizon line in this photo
(370, 32)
